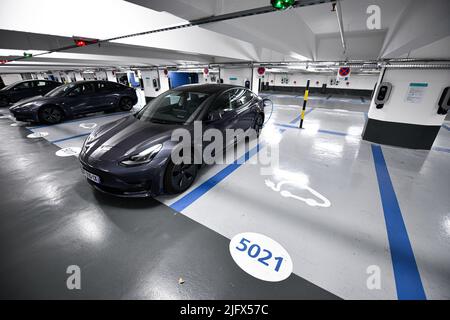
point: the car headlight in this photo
(25, 106)
(142, 157)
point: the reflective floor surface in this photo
(339, 205)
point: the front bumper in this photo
(25, 116)
(129, 182)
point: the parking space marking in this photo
(195, 194)
(407, 278)
(70, 138)
(199, 191)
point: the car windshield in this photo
(60, 91)
(173, 107)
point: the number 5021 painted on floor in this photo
(261, 256)
(254, 251)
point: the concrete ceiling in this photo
(409, 28)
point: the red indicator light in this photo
(4, 61)
(80, 43)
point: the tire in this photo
(4, 101)
(126, 104)
(51, 115)
(179, 177)
(258, 124)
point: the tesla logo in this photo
(324, 202)
(374, 20)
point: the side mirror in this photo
(267, 103)
(72, 94)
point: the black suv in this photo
(25, 89)
(74, 99)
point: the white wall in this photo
(240, 74)
(78, 76)
(148, 76)
(110, 76)
(101, 75)
(359, 82)
(11, 78)
(397, 109)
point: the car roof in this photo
(210, 88)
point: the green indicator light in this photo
(282, 4)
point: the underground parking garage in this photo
(225, 150)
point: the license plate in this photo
(91, 176)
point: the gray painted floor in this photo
(126, 249)
(139, 249)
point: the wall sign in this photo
(261, 71)
(261, 256)
(416, 92)
(344, 72)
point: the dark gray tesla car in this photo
(73, 99)
(25, 89)
(131, 157)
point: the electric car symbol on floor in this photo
(73, 99)
(324, 202)
(131, 157)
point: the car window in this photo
(102, 86)
(23, 85)
(240, 97)
(83, 89)
(42, 83)
(222, 102)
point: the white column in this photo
(409, 117)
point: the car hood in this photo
(120, 139)
(38, 100)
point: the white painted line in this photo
(36, 135)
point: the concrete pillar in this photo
(409, 118)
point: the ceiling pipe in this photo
(341, 27)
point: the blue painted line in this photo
(336, 133)
(199, 191)
(80, 120)
(407, 278)
(441, 149)
(192, 196)
(70, 138)
(298, 118)
(446, 127)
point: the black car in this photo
(25, 89)
(131, 157)
(73, 99)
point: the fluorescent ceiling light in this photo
(15, 52)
